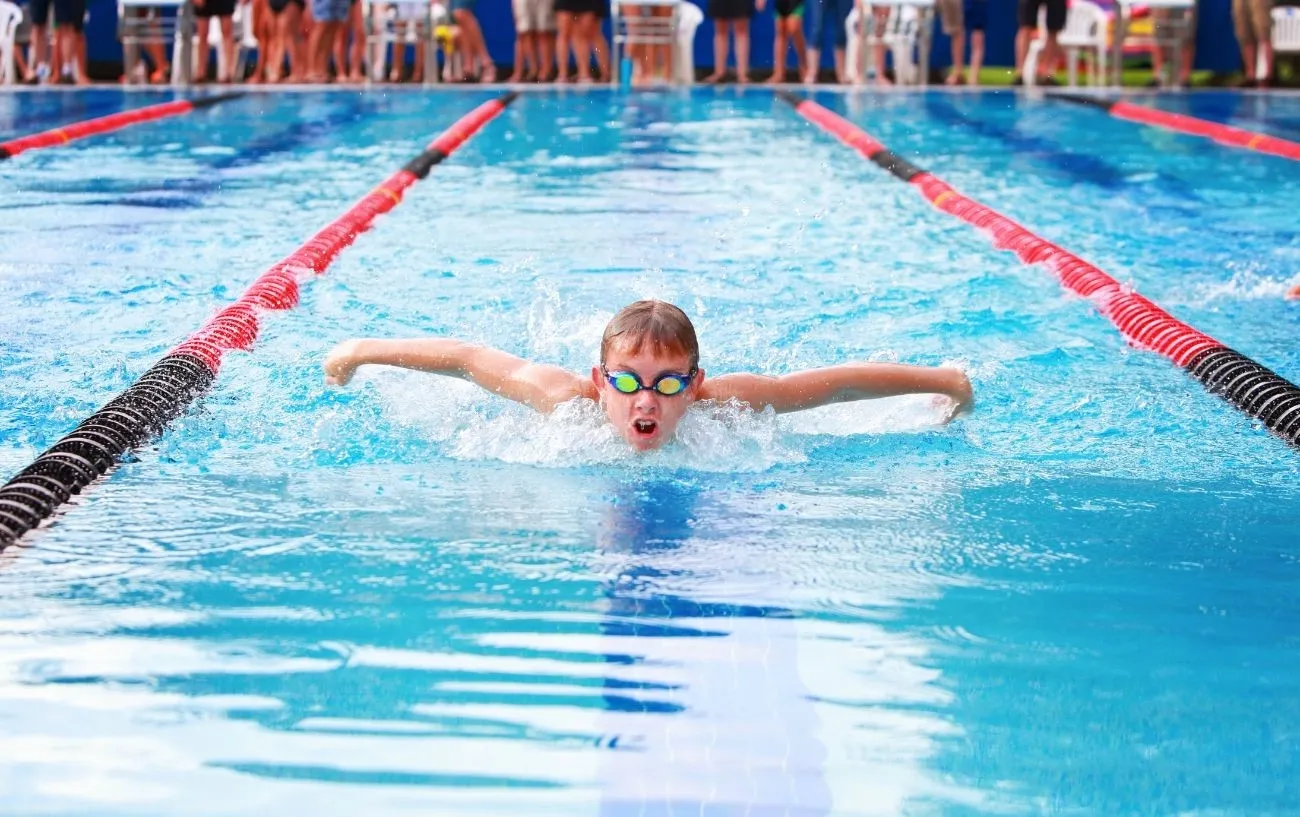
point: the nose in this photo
(647, 402)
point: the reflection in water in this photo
(743, 737)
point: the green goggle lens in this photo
(626, 383)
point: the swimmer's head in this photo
(655, 343)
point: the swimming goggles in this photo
(667, 384)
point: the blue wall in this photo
(1216, 49)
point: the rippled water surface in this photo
(407, 597)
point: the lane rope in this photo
(1251, 387)
(105, 124)
(1191, 125)
(165, 391)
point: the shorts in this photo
(329, 11)
(950, 16)
(976, 13)
(466, 5)
(789, 8)
(731, 9)
(596, 7)
(1253, 21)
(278, 6)
(828, 14)
(534, 15)
(66, 12)
(1028, 14)
(215, 8)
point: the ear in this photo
(597, 379)
(697, 383)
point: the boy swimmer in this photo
(648, 375)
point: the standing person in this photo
(1253, 22)
(350, 57)
(1051, 57)
(471, 36)
(830, 14)
(222, 11)
(564, 37)
(730, 17)
(38, 67)
(588, 22)
(533, 19)
(952, 19)
(789, 27)
(287, 17)
(578, 25)
(257, 15)
(330, 15)
(69, 19)
(976, 13)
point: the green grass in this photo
(1129, 78)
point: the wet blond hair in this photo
(659, 324)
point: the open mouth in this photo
(645, 428)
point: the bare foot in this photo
(954, 78)
(253, 80)
(159, 76)
(564, 79)
(489, 74)
(515, 77)
(883, 81)
(742, 79)
(775, 79)
(713, 79)
(809, 78)
(356, 77)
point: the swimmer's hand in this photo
(959, 396)
(341, 363)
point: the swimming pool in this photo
(406, 596)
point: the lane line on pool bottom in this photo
(164, 391)
(1191, 125)
(1251, 387)
(105, 124)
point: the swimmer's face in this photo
(646, 419)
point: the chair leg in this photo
(1072, 68)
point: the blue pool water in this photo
(407, 597)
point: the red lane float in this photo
(105, 124)
(1191, 125)
(236, 327)
(164, 391)
(1219, 132)
(1241, 381)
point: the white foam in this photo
(472, 425)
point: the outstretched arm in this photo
(840, 384)
(540, 386)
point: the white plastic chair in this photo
(689, 18)
(1286, 35)
(149, 24)
(1085, 29)
(10, 16)
(395, 30)
(901, 33)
